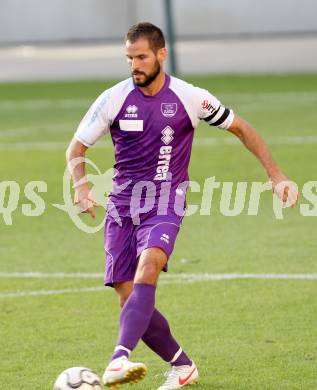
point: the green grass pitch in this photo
(243, 334)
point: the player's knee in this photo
(151, 262)
(123, 299)
(148, 270)
(147, 273)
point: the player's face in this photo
(145, 65)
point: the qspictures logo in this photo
(233, 198)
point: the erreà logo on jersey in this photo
(131, 111)
(164, 158)
(167, 135)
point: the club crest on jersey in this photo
(131, 111)
(169, 109)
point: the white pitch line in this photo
(233, 276)
(256, 98)
(41, 146)
(198, 142)
(278, 140)
(167, 279)
(19, 294)
(168, 276)
(64, 128)
(51, 275)
(42, 104)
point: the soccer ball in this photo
(79, 378)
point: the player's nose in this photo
(134, 64)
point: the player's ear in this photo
(161, 54)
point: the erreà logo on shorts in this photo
(131, 111)
(165, 237)
(165, 155)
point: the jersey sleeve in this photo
(212, 111)
(96, 122)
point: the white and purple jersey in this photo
(152, 135)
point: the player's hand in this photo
(85, 200)
(284, 189)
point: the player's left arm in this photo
(254, 142)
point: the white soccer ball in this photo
(79, 378)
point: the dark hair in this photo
(147, 31)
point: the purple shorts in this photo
(124, 244)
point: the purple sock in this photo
(135, 317)
(159, 338)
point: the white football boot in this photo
(180, 376)
(121, 371)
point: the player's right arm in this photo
(94, 124)
(75, 157)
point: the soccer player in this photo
(151, 118)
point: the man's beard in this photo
(148, 78)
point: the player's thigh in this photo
(159, 233)
(120, 251)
